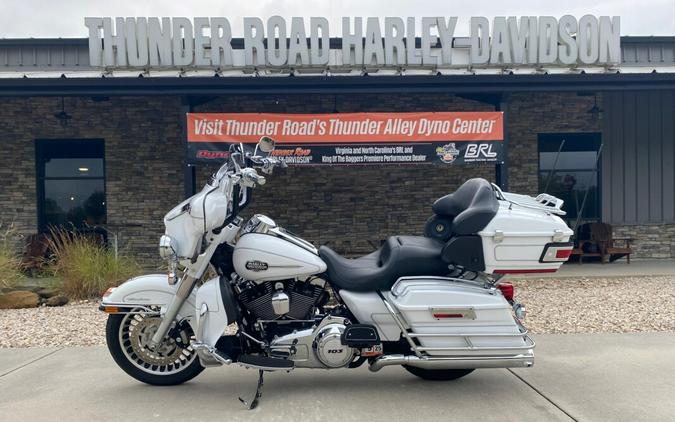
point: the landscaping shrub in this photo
(85, 266)
(10, 264)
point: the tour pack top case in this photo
(497, 232)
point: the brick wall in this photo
(352, 208)
(143, 151)
(347, 207)
(651, 240)
(530, 114)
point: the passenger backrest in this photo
(471, 206)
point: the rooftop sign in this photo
(123, 43)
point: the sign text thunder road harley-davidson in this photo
(181, 43)
(353, 138)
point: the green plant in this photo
(85, 266)
(10, 264)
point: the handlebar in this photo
(242, 168)
(250, 175)
(267, 164)
(243, 164)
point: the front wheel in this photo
(172, 362)
(438, 374)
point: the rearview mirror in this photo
(266, 144)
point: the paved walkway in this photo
(577, 377)
(614, 269)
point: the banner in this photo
(353, 138)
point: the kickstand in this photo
(258, 393)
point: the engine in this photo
(289, 299)
(319, 347)
(310, 344)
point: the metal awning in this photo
(289, 85)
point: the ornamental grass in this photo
(85, 266)
(10, 263)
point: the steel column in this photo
(189, 171)
(502, 169)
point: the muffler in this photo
(455, 362)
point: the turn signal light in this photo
(507, 290)
(111, 309)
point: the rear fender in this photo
(149, 290)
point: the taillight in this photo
(563, 253)
(507, 290)
(556, 252)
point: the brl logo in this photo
(479, 150)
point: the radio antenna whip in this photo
(555, 163)
(583, 202)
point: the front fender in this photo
(146, 290)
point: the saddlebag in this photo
(454, 317)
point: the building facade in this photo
(60, 116)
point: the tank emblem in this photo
(256, 265)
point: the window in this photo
(71, 183)
(571, 174)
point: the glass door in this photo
(71, 184)
(569, 169)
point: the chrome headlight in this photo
(168, 247)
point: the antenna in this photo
(583, 202)
(555, 163)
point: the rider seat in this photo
(399, 256)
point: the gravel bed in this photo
(598, 305)
(75, 324)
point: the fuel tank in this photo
(265, 257)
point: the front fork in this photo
(187, 283)
(185, 286)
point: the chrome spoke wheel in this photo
(171, 356)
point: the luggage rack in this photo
(543, 201)
(529, 343)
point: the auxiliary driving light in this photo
(167, 247)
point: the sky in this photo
(65, 18)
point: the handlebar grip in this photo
(251, 176)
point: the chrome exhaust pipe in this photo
(454, 362)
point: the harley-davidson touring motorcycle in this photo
(433, 304)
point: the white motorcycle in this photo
(433, 304)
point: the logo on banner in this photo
(476, 151)
(212, 155)
(447, 153)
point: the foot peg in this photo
(210, 356)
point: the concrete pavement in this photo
(612, 377)
(576, 377)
